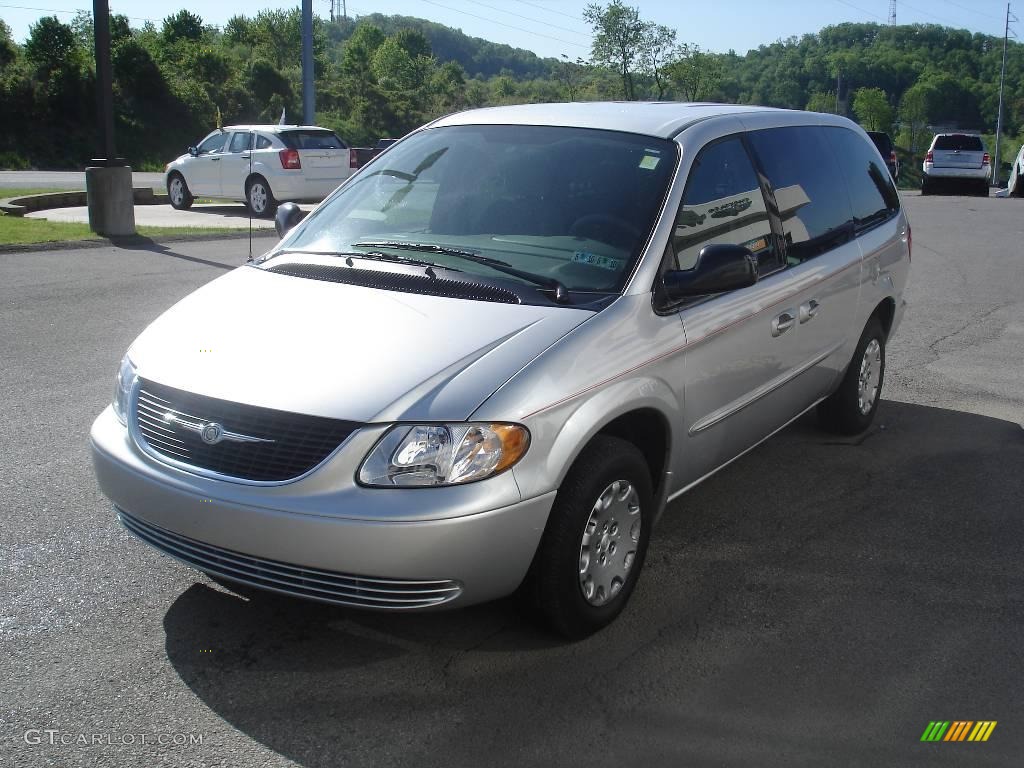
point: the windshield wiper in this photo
(370, 255)
(550, 283)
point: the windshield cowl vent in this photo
(398, 281)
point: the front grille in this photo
(289, 444)
(312, 583)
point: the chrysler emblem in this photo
(212, 433)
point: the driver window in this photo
(241, 142)
(722, 204)
(212, 144)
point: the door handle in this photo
(245, 157)
(808, 310)
(214, 159)
(783, 323)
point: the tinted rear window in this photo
(882, 141)
(872, 192)
(805, 178)
(311, 140)
(960, 142)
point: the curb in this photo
(19, 206)
(117, 242)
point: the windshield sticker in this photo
(649, 162)
(596, 260)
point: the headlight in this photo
(123, 389)
(443, 454)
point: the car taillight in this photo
(892, 157)
(985, 159)
(289, 158)
(353, 160)
(929, 157)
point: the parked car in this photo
(957, 158)
(887, 150)
(1015, 184)
(490, 360)
(261, 165)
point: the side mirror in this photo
(288, 215)
(719, 268)
(193, 151)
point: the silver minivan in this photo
(489, 360)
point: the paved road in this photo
(67, 179)
(815, 604)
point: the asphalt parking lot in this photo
(817, 603)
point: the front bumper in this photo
(324, 540)
(956, 173)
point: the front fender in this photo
(561, 432)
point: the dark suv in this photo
(888, 152)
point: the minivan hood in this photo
(343, 351)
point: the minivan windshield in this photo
(572, 205)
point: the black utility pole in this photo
(308, 97)
(104, 85)
(108, 179)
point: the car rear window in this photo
(882, 141)
(957, 141)
(311, 139)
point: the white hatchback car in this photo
(261, 165)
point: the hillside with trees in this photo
(384, 75)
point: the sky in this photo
(556, 27)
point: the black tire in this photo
(843, 410)
(1018, 188)
(555, 583)
(926, 187)
(178, 192)
(981, 190)
(260, 198)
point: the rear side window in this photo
(872, 193)
(808, 189)
(960, 142)
(723, 204)
(262, 142)
(311, 140)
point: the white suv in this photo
(958, 158)
(261, 165)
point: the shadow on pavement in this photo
(816, 603)
(140, 243)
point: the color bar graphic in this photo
(958, 730)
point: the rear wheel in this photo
(259, 198)
(851, 408)
(926, 186)
(594, 544)
(981, 189)
(178, 192)
(1018, 188)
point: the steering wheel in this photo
(606, 228)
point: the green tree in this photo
(914, 112)
(183, 25)
(658, 45)
(822, 101)
(871, 107)
(50, 46)
(694, 74)
(8, 51)
(619, 35)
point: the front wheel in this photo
(178, 192)
(594, 544)
(259, 198)
(851, 408)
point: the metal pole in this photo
(104, 81)
(308, 98)
(999, 118)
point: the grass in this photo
(15, 230)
